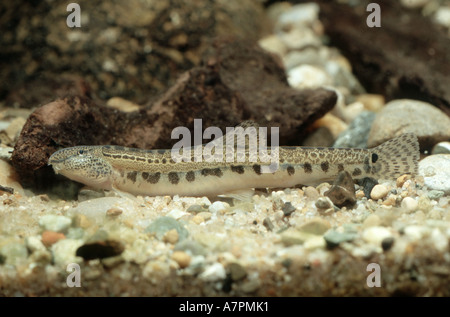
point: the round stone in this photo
(379, 192)
(409, 204)
(430, 124)
(436, 172)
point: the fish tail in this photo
(396, 157)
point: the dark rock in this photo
(268, 224)
(367, 183)
(239, 81)
(357, 133)
(387, 243)
(288, 209)
(342, 193)
(237, 272)
(100, 249)
(384, 61)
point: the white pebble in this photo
(218, 206)
(34, 243)
(376, 234)
(64, 251)
(213, 273)
(440, 240)
(55, 223)
(306, 76)
(379, 192)
(409, 204)
(416, 233)
(176, 213)
(436, 172)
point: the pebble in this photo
(81, 221)
(415, 232)
(371, 102)
(14, 253)
(435, 194)
(114, 212)
(288, 209)
(430, 124)
(442, 16)
(51, 237)
(424, 204)
(161, 225)
(309, 55)
(95, 209)
(402, 180)
(34, 243)
(367, 183)
(182, 258)
(441, 148)
(333, 238)
(273, 44)
(55, 223)
(317, 242)
(171, 236)
(379, 192)
(324, 203)
(436, 172)
(292, 236)
(372, 221)
(307, 76)
(342, 193)
(214, 272)
(205, 215)
(439, 240)
(299, 14)
(195, 209)
(357, 133)
(176, 213)
(334, 124)
(122, 104)
(237, 271)
(64, 251)
(409, 204)
(311, 193)
(376, 234)
(316, 226)
(197, 219)
(75, 233)
(218, 206)
(268, 224)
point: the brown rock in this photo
(51, 237)
(342, 193)
(240, 81)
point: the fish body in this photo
(155, 172)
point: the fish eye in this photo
(80, 152)
(374, 157)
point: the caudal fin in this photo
(397, 157)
